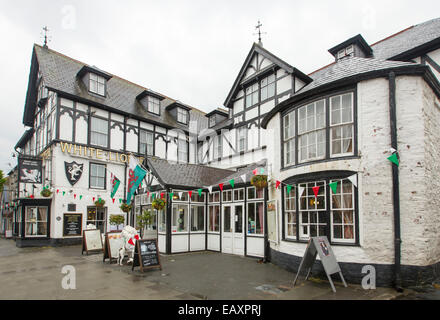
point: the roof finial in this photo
(46, 38)
(258, 26)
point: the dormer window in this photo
(345, 52)
(97, 84)
(153, 105)
(212, 121)
(182, 115)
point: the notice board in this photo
(146, 254)
(320, 246)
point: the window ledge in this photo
(338, 244)
(320, 161)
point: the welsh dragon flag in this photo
(135, 176)
(115, 182)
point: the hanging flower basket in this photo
(100, 203)
(259, 181)
(158, 204)
(46, 193)
(126, 207)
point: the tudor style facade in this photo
(333, 127)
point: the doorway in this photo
(232, 229)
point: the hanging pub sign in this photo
(113, 242)
(73, 171)
(321, 246)
(72, 224)
(30, 170)
(146, 255)
(91, 241)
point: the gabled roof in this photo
(24, 138)
(406, 43)
(256, 48)
(60, 75)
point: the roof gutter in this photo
(395, 175)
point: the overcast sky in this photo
(188, 50)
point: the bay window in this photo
(197, 217)
(180, 218)
(321, 129)
(213, 218)
(332, 212)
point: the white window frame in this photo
(308, 131)
(242, 136)
(255, 202)
(251, 95)
(340, 125)
(287, 212)
(256, 195)
(244, 194)
(92, 164)
(267, 85)
(300, 222)
(208, 217)
(218, 146)
(225, 192)
(342, 224)
(153, 105)
(97, 84)
(177, 205)
(143, 140)
(200, 205)
(288, 140)
(213, 197)
(36, 222)
(182, 115)
(95, 134)
(182, 153)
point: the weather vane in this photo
(258, 27)
(46, 37)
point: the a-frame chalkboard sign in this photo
(146, 255)
(321, 246)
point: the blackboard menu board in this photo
(72, 224)
(146, 254)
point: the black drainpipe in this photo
(396, 198)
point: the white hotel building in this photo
(302, 130)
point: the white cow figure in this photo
(127, 233)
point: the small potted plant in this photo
(117, 220)
(126, 207)
(259, 181)
(100, 203)
(46, 193)
(158, 204)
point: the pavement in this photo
(35, 273)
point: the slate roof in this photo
(60, 73)
(407, 39)
(186, 174)
(347, 67)
(197, 176)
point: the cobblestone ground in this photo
(35, 273)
